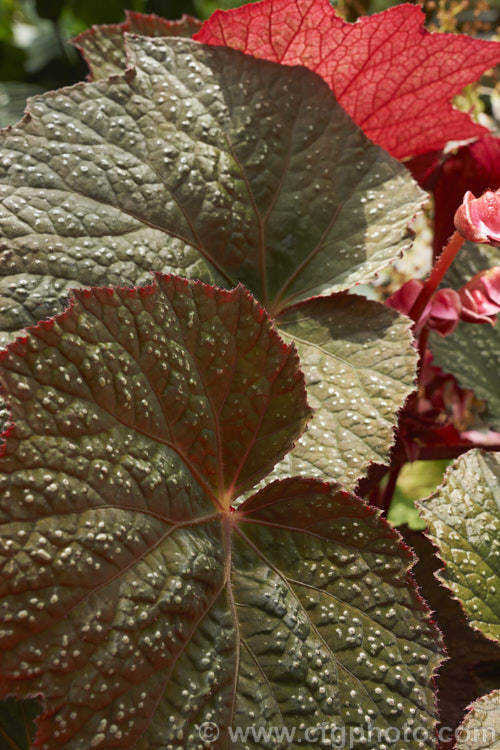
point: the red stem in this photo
(436, 275)
(389, 490)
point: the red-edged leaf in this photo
(480, 729)
(133, 598)
(457, 681)
(103, 47)
(394, 78)
(221, 389)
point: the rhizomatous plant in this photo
(183, 564)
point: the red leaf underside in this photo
(395, 79)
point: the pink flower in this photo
(480, 297)
(478, 219)
(404, 298)
(442, 312)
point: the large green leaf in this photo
(103, 47)
(201, 161)
(464, 521)
(359, 364)
(134, 598)
(481, 727)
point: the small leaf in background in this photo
(135, 600)
(481, 727)
(394, 78)
(17, 727)
(13, 96)
(464, 523)
(103, 47)
(472, 355)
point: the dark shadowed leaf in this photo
(392, 76)
(103, 47)
(464, 523)
(17, 728)
(359, 365)
(202, 162)
(481, 727)
(133, 597)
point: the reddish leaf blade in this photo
(395, 79)
(199, 369)
(113, 556)
(103, 47)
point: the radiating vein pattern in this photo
(331, 634)
(126, 436)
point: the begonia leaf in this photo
(359, 364)
(133, 598)
(464, 523)
(103, 47)
(201, 161)
(393, 77)
(480, 729)
(457, 680)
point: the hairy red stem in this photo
(436, 275)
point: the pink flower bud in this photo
(445, 311)
(480, 297)
(404, 298)
(478, 219)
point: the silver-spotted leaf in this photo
(359, 364)
(468, 651)
(103, 47)
(133, 598)
(200, 161)
(464, 523)
(480, 729)
(333, 641)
